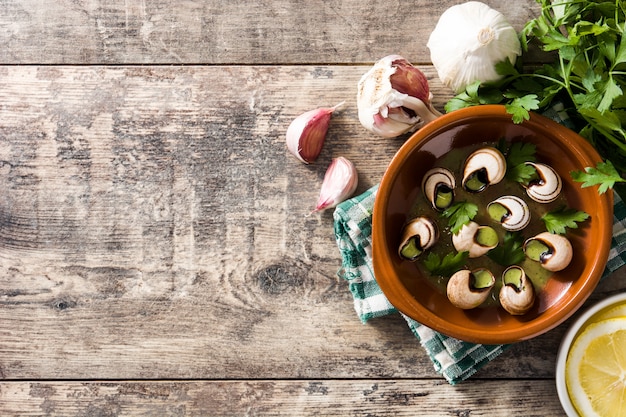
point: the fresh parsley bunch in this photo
(587, 73)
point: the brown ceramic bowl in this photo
(564, 292)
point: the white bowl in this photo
(566, 343)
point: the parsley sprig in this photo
(516, 157)
(459, 214)
(446, 266)
(557, 221)
(604, 174)
(510, 251)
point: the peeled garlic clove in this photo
(393, 98)
(340, 181)
(306, 133)
(467, 43)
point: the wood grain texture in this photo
(532, 398)
(154, 226)
(218, 32)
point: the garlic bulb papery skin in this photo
(306, 133)
(340, 182)
(467, 43)
(393, 98)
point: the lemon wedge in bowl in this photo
(595, 370)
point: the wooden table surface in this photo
(156, 256)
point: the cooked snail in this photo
(475, 239)
(547, 186)
(511, 211)
(468, 289)
(553, 251)
(517, 294)
(438, 187)
(485, 166)
(418, 235)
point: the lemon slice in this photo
(595, 372)
(617, 311)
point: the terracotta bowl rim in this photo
(400, 298)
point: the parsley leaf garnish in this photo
(510, 251)
(459, 214)
(518, 154)
(520, 107)
(521, 173)
(604, 174)
(521, 152)
(557, 221)
(474, 95)
(451, 263)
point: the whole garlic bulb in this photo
(393, 98)
(468, 41)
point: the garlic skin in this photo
(307, 132)
(340, 182)
(393, 98)
(468, 41)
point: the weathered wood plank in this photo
(280, 398)
(283, 336)
(153, 225)
(218, 32)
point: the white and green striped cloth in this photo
(456, 360)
